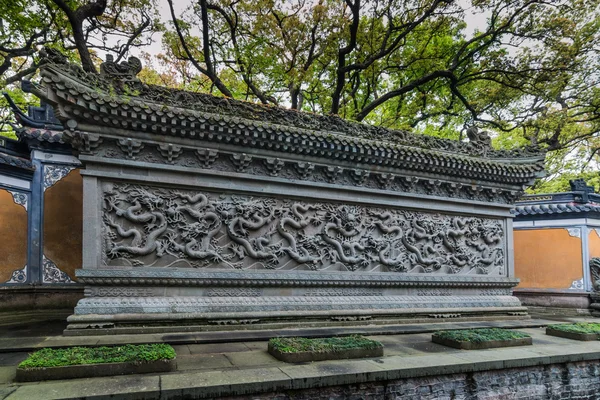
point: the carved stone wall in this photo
(163, 227)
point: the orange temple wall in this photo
(549, 258)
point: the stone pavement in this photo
(29, 337)
(237, 368)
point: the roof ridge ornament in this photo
(479, 141)
(53, 56)
(126, 70)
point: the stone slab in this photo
(7, 374)
(205, 361)
(249, 358)
(217, 348)
(118, 388)
(223, 383)
(182, 350)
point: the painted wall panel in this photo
(63, 219)
(594, 242)
(13, 235)
(547, 258)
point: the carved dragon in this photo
(155, 226)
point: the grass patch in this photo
(481, 335)
(98, 355)
(322, 345)
(579, 327)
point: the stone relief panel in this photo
(153, 226)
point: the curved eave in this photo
(555, 209)
(80, 102)
(41, 134)
(16, 162)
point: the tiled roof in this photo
(14, 161)
(42, 135)
(555, 208)
(118, 101)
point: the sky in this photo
(475, 21)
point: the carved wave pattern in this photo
(161, 227)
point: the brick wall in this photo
(556, 381)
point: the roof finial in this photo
(123, 70)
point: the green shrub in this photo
(481, 335)
(322, 345)
(579, 327)
(98, 355)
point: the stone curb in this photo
(572, 335)
(94, 370)
(491, 344)
(309, 356)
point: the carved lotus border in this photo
(106, 305)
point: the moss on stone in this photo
(98, 355)
(481, 335)
(322, 345)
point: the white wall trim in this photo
(16, 183)
(54, 158)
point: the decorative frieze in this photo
(204, 159)
(577, 285)
(495, 292)
(19, 198)
(18, 276)
(255, 305)
(574, 232)
(343, 292)
(205, 277)
(121, 292)
(130, 147)
(434, 292)
(52, 274)
(54, 173)
(233, 292)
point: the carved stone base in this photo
(595, 306)
(171, 300)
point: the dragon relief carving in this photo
(151, 226)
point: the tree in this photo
(528, 73)
(79, 29)
(526, 70)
